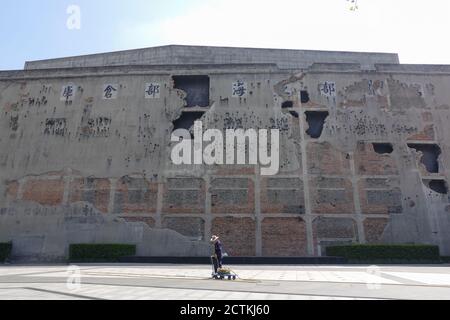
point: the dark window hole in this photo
(316, 121)
(430, 156)
(186, 121)
(196, 88)
(304, 96)
(294, 114)
(383, 148)
(287, 104)
(439, 186)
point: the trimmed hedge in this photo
(5, 251)
(100, 252)
(386, 252)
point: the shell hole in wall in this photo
(287, 104)
(294, 114)
(439, 186)
(186, 120)
(383, 148)
(304, 96)
(196, 89)
(430, 156)
(316, 122)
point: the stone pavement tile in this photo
(29, 294)
(425, 278)
(280, 275)
(143, 293)
(6, 270)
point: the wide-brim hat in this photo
(214, 238)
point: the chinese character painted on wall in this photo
(67, 92)
(110, 91)
(239, 89)
(328, 89)
(152, 90)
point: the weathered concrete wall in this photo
(184, 55)
(42, 233)
(359, 179)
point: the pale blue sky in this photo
(36, 29)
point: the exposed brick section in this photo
(191, 227)
(426, 135)
(44, 192)
(232, 195)
(374, 229)
(334, 228)
(368, 162)
(12, 188)
(235, 170)
(236, 234)
(333, 231)
(380, 196)
(135, 195)
(184, 195)
(331, 195)
(324, 159)
(92, 190)
(427, 116)
(283, 237)
(282, 195)
(149, 221)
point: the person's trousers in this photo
(217, 262)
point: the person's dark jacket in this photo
(218, 249)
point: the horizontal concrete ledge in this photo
(237, 260)
(144, 69)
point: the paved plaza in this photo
(192, 282)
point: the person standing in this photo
(218, 251)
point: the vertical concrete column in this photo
(112, 194)
(159, 203)
(356, 200)
(308, 213)
(258, 216)
(208, 213)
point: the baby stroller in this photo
(221, 273)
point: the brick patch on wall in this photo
(331, 195)
(368, 162)
(92, 190)
(283, 237)
(191, 227)
(282, 195)
(44, 192)
(135, 195)
(374, 229)
(232, 195)
(184, 195)
(236, 234)
(323, 158)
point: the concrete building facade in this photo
(85, 152)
